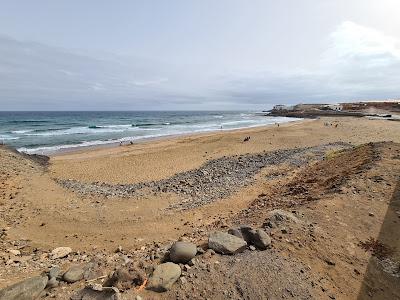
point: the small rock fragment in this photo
(60, 252)
(14, 251)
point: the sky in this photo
(196, 55)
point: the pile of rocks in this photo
(216, 179)
(172, 266)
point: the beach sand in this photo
(162, 158)
(35, 207)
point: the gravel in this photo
(216, 179)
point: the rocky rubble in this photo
(216, 179)
(130, 271)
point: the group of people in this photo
(121, 143)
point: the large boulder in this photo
(182, 252)
(164, 276)
(25, 290)
(226, 243)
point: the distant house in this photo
(336, 107)
(282, 107)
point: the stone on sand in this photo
(25, 290)
(52, 283)
(14, 251)
(60, 252)
(125, 278)
(260, 239)
(164, 276)
(226, 243)
(74, 274)
(279, 217)
(54, 272)
(97, 292)
(182, 252)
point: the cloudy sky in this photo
(183, 55)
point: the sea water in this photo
(49, 132)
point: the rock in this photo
(244, 232)
(124, 278)
(14, 251)
(260, 239)
(279, 217)
(225, 243)
(97, 292)
(25, 290)
(236, 232)
(54, 272)
(164, 276)
(74, 274)
(52, 283)
(192, 262)
(182, 252)
(60, 252)
(92, 270)
(200, 250)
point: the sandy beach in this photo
(141, 196)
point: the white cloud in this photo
(360, 63)
(150, 82)
(353, 41)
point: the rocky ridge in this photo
(214, 180)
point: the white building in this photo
(336, 107)
(282, 107)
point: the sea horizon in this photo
(48, 132)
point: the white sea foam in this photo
(84, 130)
(6, 137)
(134, 133)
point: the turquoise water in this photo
(49, 132)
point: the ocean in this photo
(50, 132)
